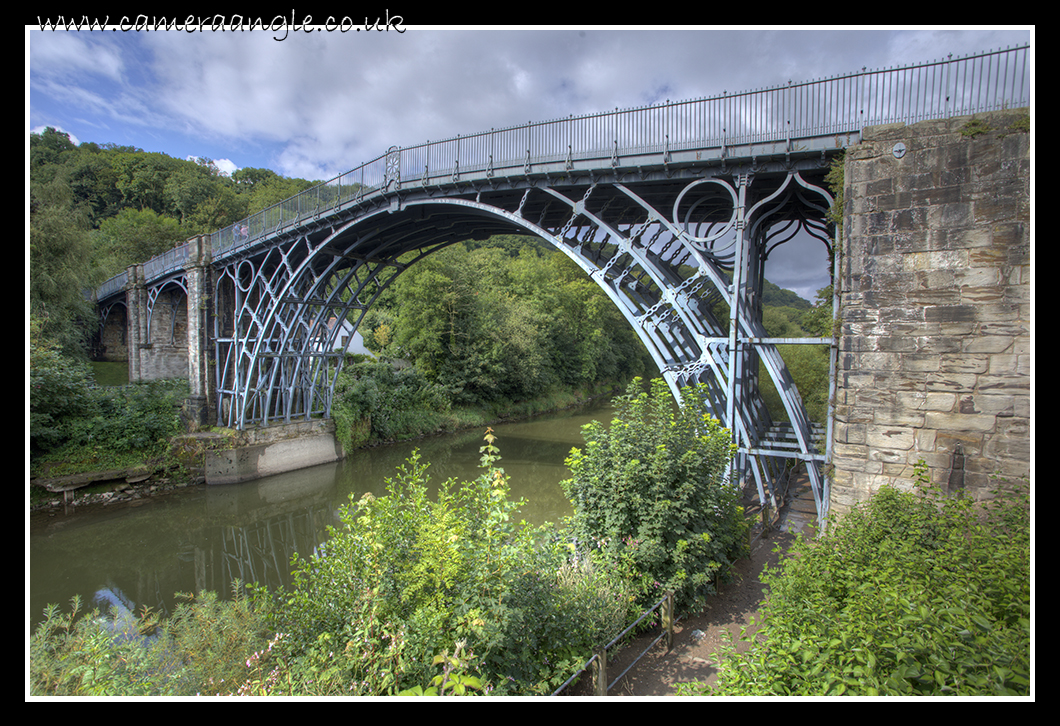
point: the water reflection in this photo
(204, 537)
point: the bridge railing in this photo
(840, 104)
(112, 286)
(837, 105)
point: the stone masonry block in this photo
(959, 421)
(899, 438)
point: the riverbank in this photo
(184, 468)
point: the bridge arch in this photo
(681, 259)
(113, 344)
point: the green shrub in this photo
(912, 593)
(119, 426)
(407, 578)
(60, 388)
(375, 402)
(73, 420)
(651, 492)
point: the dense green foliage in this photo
(406, 578)
(374, 401)
(207, 647)
(96, 209)
(487, 330)
(912, 593)
(808, 365)
(503, 322)
(651, 492)
(86, 427)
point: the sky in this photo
(315, 101)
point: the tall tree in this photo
(61, 268)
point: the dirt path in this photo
(697, 638)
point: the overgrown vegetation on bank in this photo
(77, 426)
(411, 588)
(912, 593)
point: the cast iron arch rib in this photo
(665, 254)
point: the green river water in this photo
(141, 553)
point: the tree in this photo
(500, 323)
(651, 492)
(186, 187)
(141, 178)
(47, 147)
(818, 320)
(133, 236)
(61, 266)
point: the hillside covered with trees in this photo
(95, 209)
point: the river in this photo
(201, 538)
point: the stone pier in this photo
(935, 307)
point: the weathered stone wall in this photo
(113, 343)
(167, 354)
(934, 351)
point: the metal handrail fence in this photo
(837, 105)
(840, 104)
(598, 662)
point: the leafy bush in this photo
(406, 579)
(912, 593)
(73, 420)
(60, 388)
(140, 416)
(118, 426)
(651, 491)
(375, 402)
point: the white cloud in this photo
(322, 103)
(67, 55)
(40, 130)
(226, 166)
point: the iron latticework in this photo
(680, 253)
(671, 209)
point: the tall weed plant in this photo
(912, 593)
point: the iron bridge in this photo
(671, 209)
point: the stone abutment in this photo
(935, 307)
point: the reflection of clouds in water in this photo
(114, 600)
(118, 615)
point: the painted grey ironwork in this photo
(792, 113)
(671, 209)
